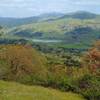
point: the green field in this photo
(16, 91)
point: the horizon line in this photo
(13, 17)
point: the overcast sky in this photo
(25, 8)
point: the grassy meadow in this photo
(16, 91)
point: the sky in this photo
(26, 8)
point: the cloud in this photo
(87, 2)
(22, 8)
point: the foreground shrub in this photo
(90, 87)
(22, 64)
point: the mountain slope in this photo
(79, 27)
(12, 22)
(68, 29)
(81, 15)
(15, 91)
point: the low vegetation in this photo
(67, 72)
(15, 91)
(20, 63)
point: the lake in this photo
(46, 41)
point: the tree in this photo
(92, 58)
(23, 61)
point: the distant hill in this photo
(81, 15)
(79, 27)
(11, 22)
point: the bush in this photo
(22, 63)
(90, 87)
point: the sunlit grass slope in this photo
(15, 91)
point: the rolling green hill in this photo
(12, 22)
(81, 15)
(81, 28)
(70, 30)
(15, 91)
